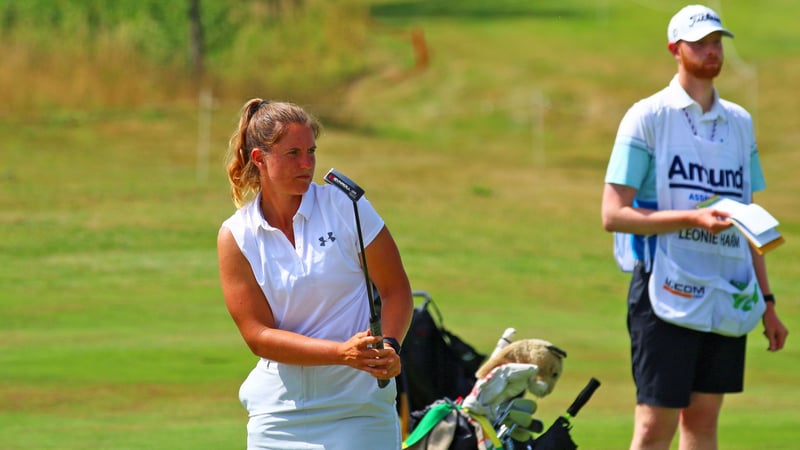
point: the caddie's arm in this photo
(619, 214)
(774, 329)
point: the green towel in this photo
(434, 415)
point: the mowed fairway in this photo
(487, 167)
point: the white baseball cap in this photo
(694, 22)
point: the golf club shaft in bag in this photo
(355, 192)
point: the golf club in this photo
(515, 421)
(355, 192)
(514, 406)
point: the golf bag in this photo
(444, 423)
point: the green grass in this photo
(487, 166)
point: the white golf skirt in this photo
(318, 407)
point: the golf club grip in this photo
(583, 397)
(375, 330)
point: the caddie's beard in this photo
(702, 69)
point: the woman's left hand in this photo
(392, 360)
(359, 352)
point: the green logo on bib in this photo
(742, 301)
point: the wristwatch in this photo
(392, 342)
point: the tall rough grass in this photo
(128, 53)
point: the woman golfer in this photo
(293, 284)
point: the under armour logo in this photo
(323, 240)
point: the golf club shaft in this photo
(374, 320)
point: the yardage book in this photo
(752, 220)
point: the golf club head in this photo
(346, 185)
(523, 405)
(536, 426)
(520, 427)
(519, 407)
(520, 418)
(520, 414)
(520, 433)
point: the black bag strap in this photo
(436, 315)
(430, 305)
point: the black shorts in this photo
(670, 362)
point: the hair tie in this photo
(256, 106)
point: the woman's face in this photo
(289, 165)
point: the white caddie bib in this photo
(699, 280)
